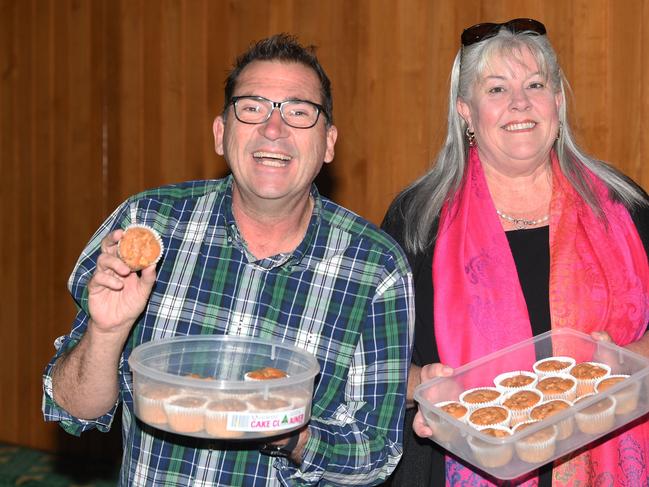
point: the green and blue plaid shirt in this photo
(345, 294)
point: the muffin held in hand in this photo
(140, 247)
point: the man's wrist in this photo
(283, 450)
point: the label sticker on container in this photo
(270, 421)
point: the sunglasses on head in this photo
(480, 32)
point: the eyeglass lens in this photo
(296, 113)
(480, 32)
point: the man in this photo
(238, 252)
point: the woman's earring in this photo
(559, 131)
(470, 136)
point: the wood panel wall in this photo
(103, 98)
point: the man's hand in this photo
(117, 295)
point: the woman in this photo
(515, 225)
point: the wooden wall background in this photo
(103, 98)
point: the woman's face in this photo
(514, 113)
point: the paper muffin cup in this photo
(565, 427)
(150, 403)
(512, 376)
(216, 417)
(597, 418)
(186, 413)
(543, 373)
(626, 398)
(568, 395)
(491, 455)
(444, 429)
(503, 411)
(142, 261)
(475, 405)
(520, 414)
(586, 386)
(538, 447)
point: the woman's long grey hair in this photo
(419, 205)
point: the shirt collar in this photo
(295, 257)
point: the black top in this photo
(422, 463)
(531, 252)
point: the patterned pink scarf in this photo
(599, 278)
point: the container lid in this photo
(160, 359)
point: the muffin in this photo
(513, 381)
(558, 387)
(444, 430)
(553, 366)
(492, 454)
(549, 408)
(299, 397)
(626, 398)
(217, 413)
(520, 403)
(193, 375)
(536, 447)
(186, 413)
(596, 418)
(271, 406)
(489, 416)
(259, 403)
(454, 408)
(480, 397)
(139, 247)
(149, 401)
(587, 374)
(265, 373)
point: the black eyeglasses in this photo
(301, 114)
(480, 32)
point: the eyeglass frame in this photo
(278, 105)
(515, 26)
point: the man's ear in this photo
(332, 135)
(218, 127)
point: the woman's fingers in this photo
(420, 427)
(601, 336)
(431, 371)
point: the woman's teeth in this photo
(520, 126)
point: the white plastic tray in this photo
(455, 435)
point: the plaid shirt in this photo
(345, 295)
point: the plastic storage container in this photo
(540, 442)
(195, 386)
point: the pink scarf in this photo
(599, 278)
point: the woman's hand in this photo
(601, 336)
(428, 372)
(640, 346)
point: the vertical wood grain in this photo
(100, 99)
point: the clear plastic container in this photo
(582, 423)
(195, 386)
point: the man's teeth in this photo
(520, 126)
(271, 155)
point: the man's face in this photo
(272, 162)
